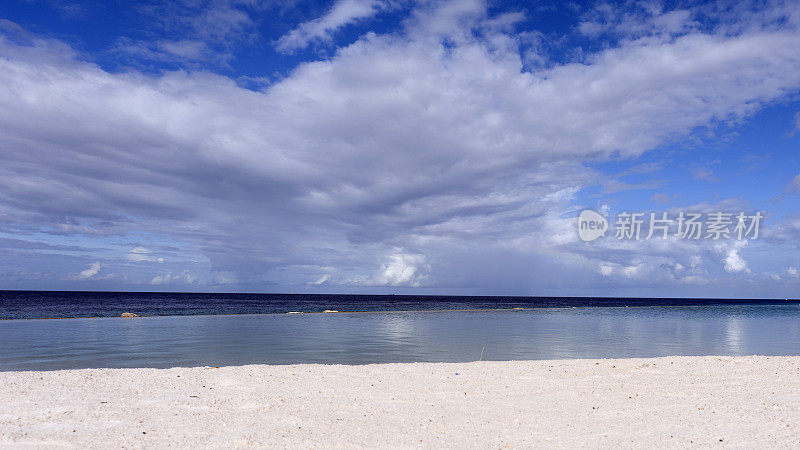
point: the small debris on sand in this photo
(384, 405)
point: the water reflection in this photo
(733, 337)
(400, 337)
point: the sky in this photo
(397, 146)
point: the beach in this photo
(669, 401)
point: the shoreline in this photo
(740, 401)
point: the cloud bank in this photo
(428, 157)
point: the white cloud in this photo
(200, 32)
(734, 262)
(637, 20)
(343, 13)
(630, 271)
(402, 269)
(184, 277)
(142, 254)
(433, 139)
(92, 270)
(321, 280)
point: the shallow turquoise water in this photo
(357, 338)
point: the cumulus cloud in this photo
(434, 138)
(732, 256)
(402, 269)
(671, 262)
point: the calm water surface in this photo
(379, 337)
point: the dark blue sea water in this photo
(45, 304)
(399, 329)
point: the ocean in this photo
(233, 329)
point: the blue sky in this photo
(395, 146)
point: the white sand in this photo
(675, 401)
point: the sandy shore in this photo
(674, 401)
